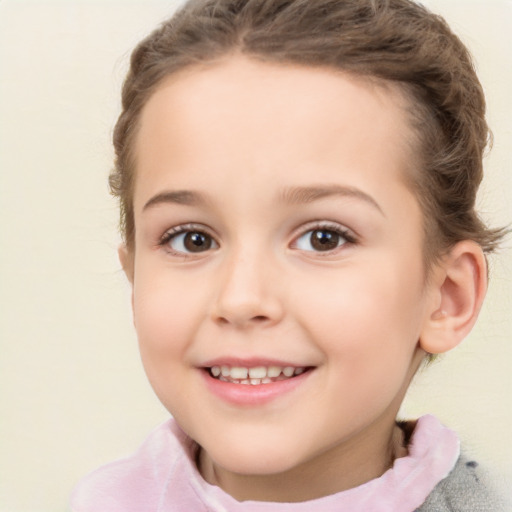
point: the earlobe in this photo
(460, 283)
(126, 259)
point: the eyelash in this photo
(179, 230)
(348, 237)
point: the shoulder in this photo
(466, 489)
(136, 482)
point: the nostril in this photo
(254, 320)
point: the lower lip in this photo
(252, 395)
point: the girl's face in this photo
(275, 235)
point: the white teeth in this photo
(255, 375)
(274, 371)
(259, 372)
(288, 371)
(237, 372)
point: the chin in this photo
(255, 461)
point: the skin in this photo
(242, 134)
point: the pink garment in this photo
(162, 477)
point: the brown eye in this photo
(322, 240)
(197, 242)
(190, 242)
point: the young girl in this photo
(297, 182)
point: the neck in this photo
(366, 456)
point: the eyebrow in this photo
(293, 195)
(185, 197)
(304, 195)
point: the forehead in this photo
(272, 120)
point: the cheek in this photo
(368, 332)
(163, 314)
(367, 317)
(163, 333)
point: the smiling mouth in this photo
(255, 375)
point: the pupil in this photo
(196, 242)
(324, 240)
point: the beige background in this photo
(72, 391)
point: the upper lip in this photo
(250, 362)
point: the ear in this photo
(459, 283)
(126, 259)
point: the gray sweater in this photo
(465, 489)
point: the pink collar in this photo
(433, 452)
(162, 477)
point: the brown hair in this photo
(395, 41)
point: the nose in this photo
(248, 293)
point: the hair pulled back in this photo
(397, 41)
